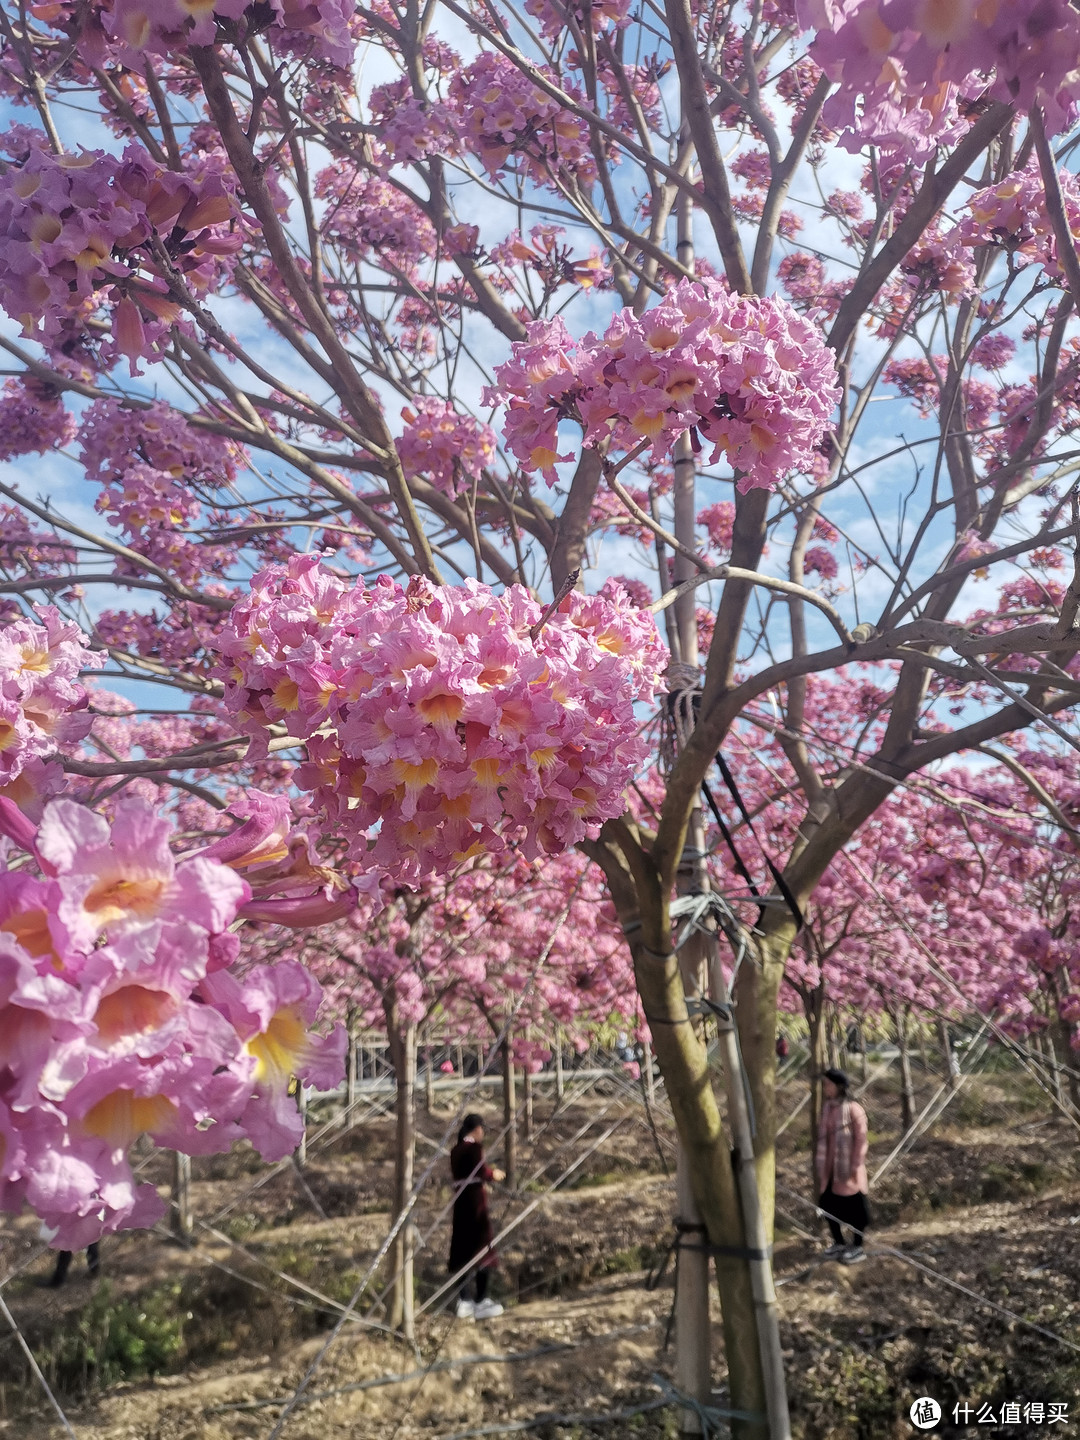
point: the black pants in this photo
(63, 1264)
(481, 1277)
(845, 1210)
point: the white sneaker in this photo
(466, 1310)
(833, 1252)
(852, 1256)
(488, 1310)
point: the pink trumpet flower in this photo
(262, 839)
(441, 723)
(120, 1015)
(299, 912)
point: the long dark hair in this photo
(839, 1079)
(468, 1125)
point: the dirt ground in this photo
(204, 1343)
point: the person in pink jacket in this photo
(840, 1165)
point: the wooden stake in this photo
(650, 1078)
(509, 1115)
(181, 1220)
(302, 1104)
(350, 1066)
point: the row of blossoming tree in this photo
(381, 338)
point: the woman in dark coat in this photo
(471, 1237)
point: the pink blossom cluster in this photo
(939, 264)
(126, 31)
(447, 448)
(902, 63)
(35, 552)
(556, 18)
(607, 512)
(172, 636)
(119, 1016)
(500, 113)
(747, 374)
(719, 523)
(637, 591)
(152, 465)
(33, 419)
(1013, 214)
(820, 561)
(42, 703)
(437, 727)
(316, 30)
(633, 91)
(370, 220)
(76, 229)
(112, 436)
(993, 351)
(919, 380)
(409, 129)
(802, 276)
(552, 259)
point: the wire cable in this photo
(920, 1265)
(511, 1357)
(1067, 1110)
(36, 1368)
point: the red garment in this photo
(841, 1148)
(472, 1233)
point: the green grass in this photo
(114, 1340)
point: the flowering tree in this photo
(121, 1014)
(447, 320)
(505, 945)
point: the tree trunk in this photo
(948, 1054)
(907, 1088)
(351, 1068)
(766, 1311)
(920, 1039)
(400, 1303)
(429, 1079)
(1061, 1034)
(835, 1037)
(643, 910)
(560, 1078)
(1053, 1044)
(181, 1219)
(509, 1089)
(693, 1331)
(814, 1007)
(693, 1328)
(707, 1151)
(527, 1129)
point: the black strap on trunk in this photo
(781, 883)
(739, 1252)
